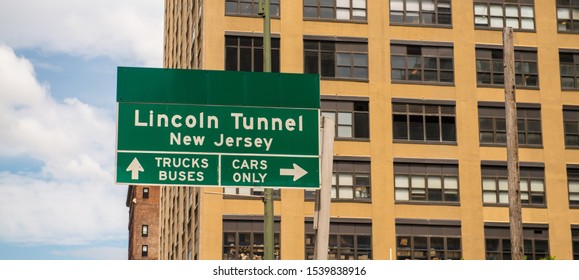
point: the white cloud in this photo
(130, 31)
(72, 200)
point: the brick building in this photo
(143, 203)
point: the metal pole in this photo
(323, 197)
(515, 212)
(268, 236)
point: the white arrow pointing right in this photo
(296, 171)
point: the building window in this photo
(145, 251)
(250, 191)
(145, 231)
(493, 129)
(427, 240)
(342, 60)
(432, 183)
(351, 118)
(498, 242)
(350, 181)
(568, 15)
(490, 68)
(145, 193)
(346, 10)
(422, 64)
(495, 185)
(571, 125)
(569, 63)
(249, 8)
(493, 14)
(573, 183)
(421, 12)
(424, 122)
(575, 238)
(243, 239)
(351, 240)
(244, 53)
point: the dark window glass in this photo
(569, 65)
(344, 60)
(145, 193)
(249, 8)
(246, 54)
(498, 244)
(243, 240)
(351, 118)
(490, 68)
(492, 128)
(348, 241)
(425, 123)
(428, 242)
(568, 16)
(430, 64)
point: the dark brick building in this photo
(143, 203)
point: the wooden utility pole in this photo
(515, 212)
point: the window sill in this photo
(250, 16)
(340, 200)
(420, 83)
(246, 197)
(570, 89)
(575, 32)
(398, 141)
(343, 79)
(501, 29)
(353, 139)
(503, 86)
(525, 146)
(337, 20)
(423, 25)
(426, 203)
(523, 206)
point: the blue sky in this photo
(58, 60)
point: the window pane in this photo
(343, 14)
(418, 182)
(527, 24)
(416, 128)
(451, 183)
(503, 184)
(412, 5)
(574, 186)
(345, 180)
(503, 197)
(402, 195)
(511, 11)
(496, 10)
(488, 184)
(396, 5)
(563, 13)
(489, 197)
(537, 186)
(344, 118)
(346, 192)
(345, 131)
(527, 11)
(343, 3)
(479, 10)
(360, 4)
(401, 181)
(497, 22)
(434, 182)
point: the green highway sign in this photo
(217, 128)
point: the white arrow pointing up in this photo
(297, 172)
(135, 167)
